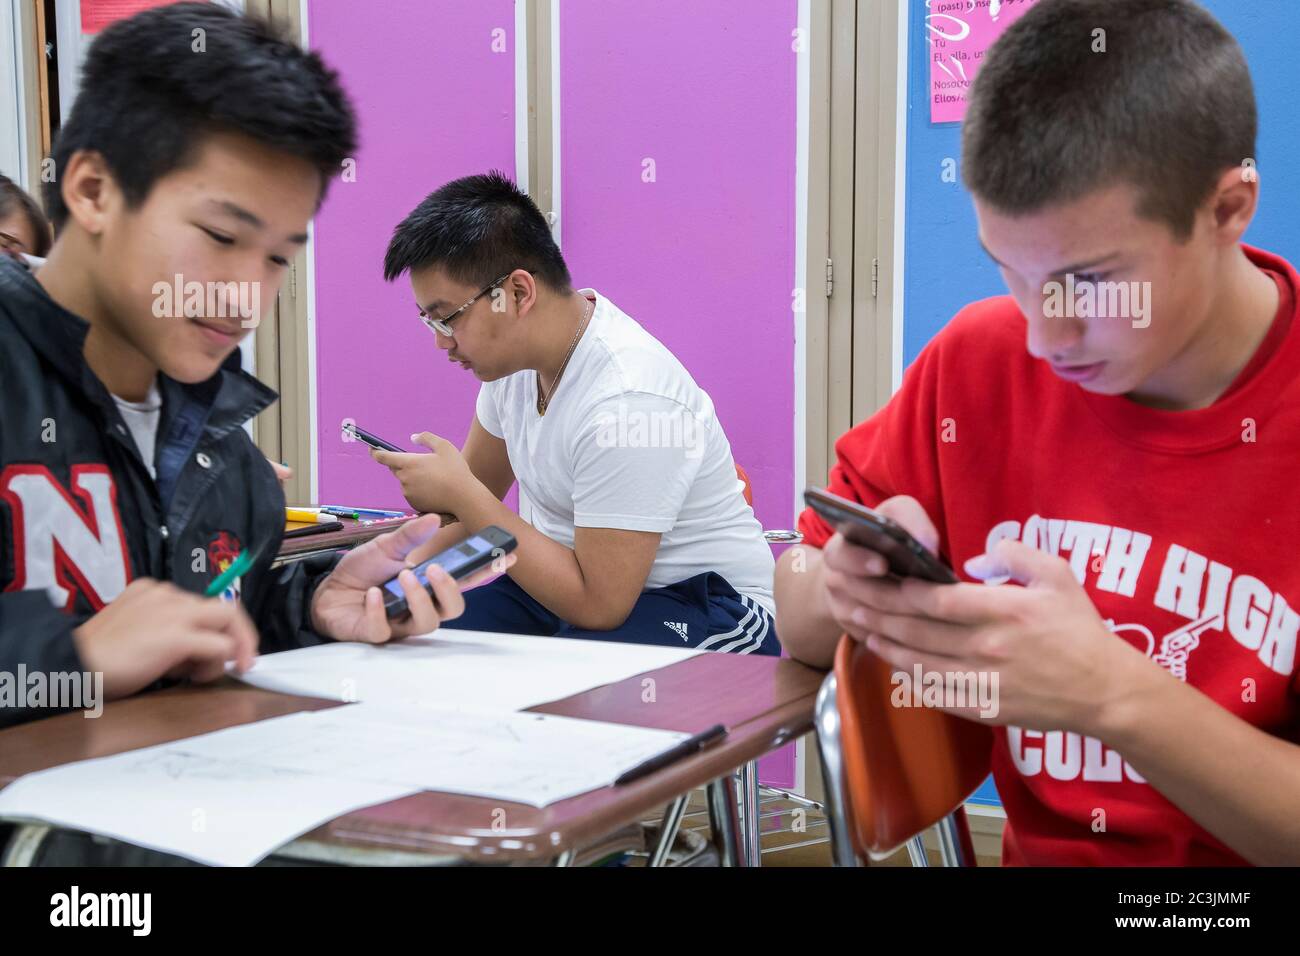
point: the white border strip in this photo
(555, 122)
(900, 191)
(13, 159)
(803, 107)
(802, 141)
(309, 282)
(72, 45)
(521, 94)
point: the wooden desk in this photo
(765, 702)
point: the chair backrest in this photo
(748, 490)
(904, 768)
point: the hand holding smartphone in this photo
(460, 561)
(907, 557)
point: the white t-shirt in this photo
(629, 441)
(142, 419)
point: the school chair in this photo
(752, 792)
(893, 772)
(744, 782)
(772, 537)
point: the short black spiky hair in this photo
(1167, 107)
(478, 228)
(152, 88)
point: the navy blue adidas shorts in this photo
(703, 612)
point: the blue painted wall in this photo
(944, 267)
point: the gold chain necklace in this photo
(543, 400)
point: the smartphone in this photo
(907, 557)
(473, 554)
(374, 441)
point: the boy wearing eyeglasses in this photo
(633, 524)
(24, 230)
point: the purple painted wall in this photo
(703, 255)
(434, 102)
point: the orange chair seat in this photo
(905, 768)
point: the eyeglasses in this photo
(443, 324)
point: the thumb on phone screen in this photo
(907, 511)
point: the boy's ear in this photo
(88, 190)
(525, 290)
(1235, 199)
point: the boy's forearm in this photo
(546, 569)
(1239, 782)
(803, 617)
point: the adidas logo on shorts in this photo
(679, 628)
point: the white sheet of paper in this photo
(534, 759)
(198, 798)
(233, 796)
(472, 669)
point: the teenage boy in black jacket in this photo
(199, 147)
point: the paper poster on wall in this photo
(958, 34)
(97, 14)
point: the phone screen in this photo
(451, 560)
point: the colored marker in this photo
(309, 515)
(357, 512)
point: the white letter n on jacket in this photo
(59, 546)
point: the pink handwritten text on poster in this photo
(958, 33)
(97, 14)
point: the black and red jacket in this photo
(80, 516)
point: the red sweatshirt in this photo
(1182, 526)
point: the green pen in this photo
(228, 577)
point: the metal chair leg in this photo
(827, 719)
(749, 819)
(24, 844)
(668, 828)
(955, 845)
(916, 850)
(724, 819)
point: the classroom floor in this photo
(798, 838)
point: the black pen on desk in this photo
(311, 529)
(689, 746)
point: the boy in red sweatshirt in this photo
(1106, 457)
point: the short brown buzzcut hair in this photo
(1167, 107)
